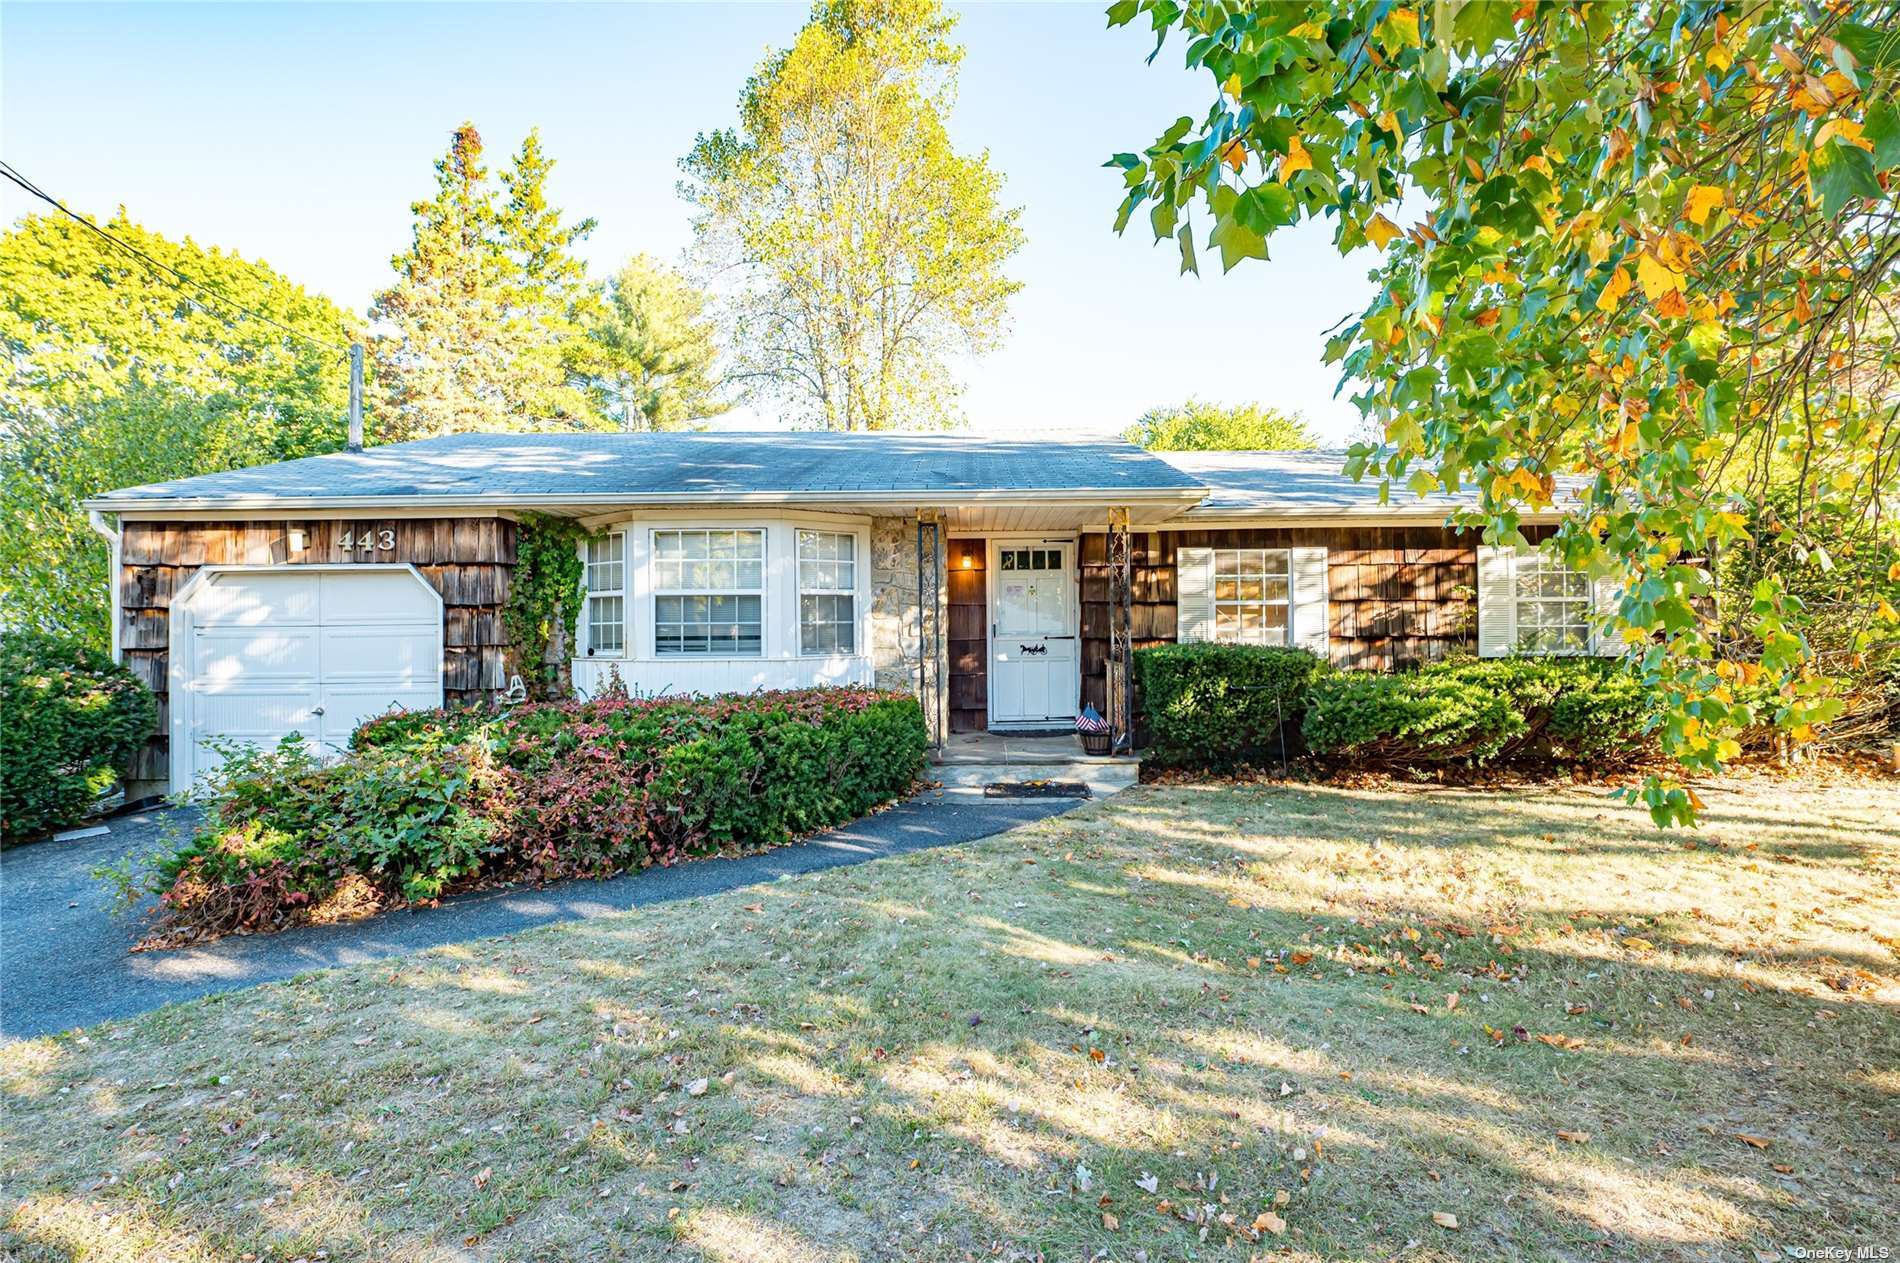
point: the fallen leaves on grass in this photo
(1445, 1219)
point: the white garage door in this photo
(314, 652)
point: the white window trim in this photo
(584, 632)
(799, 592)
(1286, 602)
(767, 563)
(1585, 646)
(1309, 615)
(1498, 604)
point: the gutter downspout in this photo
(111, 533)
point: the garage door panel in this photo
(397, 598)
(265, 599)
(400, 654)
(254, 713)
(279, 656)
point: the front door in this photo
(1032, 642)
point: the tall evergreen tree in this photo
(537, 242)
(550, 294)
(470, 334)
(653, 361)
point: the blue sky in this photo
(299, 134)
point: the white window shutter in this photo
(1605, 642)
(1194, 594)
(1497, 603)
(1311, 618)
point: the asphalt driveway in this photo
(66, 962)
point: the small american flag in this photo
(1090, 720)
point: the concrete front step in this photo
(1103, 777)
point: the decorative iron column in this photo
(1121, 690)
(930, 626)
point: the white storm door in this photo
(378, 644)
(1033, 638)
(256, 669)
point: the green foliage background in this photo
(71, 721)
(1653, 246)
(115, 377)
(1535, 710)
(1199, 426)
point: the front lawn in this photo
(1196, 1022)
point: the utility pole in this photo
(356, 396)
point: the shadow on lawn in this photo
(1128, 1019)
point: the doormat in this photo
(1036, 789)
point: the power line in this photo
(13, 174)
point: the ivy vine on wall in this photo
(544, 599)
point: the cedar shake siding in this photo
(967, 573)
(467, 559)
(1397, 596)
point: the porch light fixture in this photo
(968, 561)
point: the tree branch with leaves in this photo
(1653, 251)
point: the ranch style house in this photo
(1005, 581)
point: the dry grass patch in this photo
(1200, 1022)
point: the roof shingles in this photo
(711, 466)
(708, 463)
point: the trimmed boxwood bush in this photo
(428, 802)
(1545, 710)
(71, 720)
(1219, 706)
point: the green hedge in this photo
(1546, 710)
(71, 721)
(1218, 706)
(429, 802)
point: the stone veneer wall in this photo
(895, 648)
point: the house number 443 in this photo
(366, 539)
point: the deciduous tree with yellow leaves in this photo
(1651, 245)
